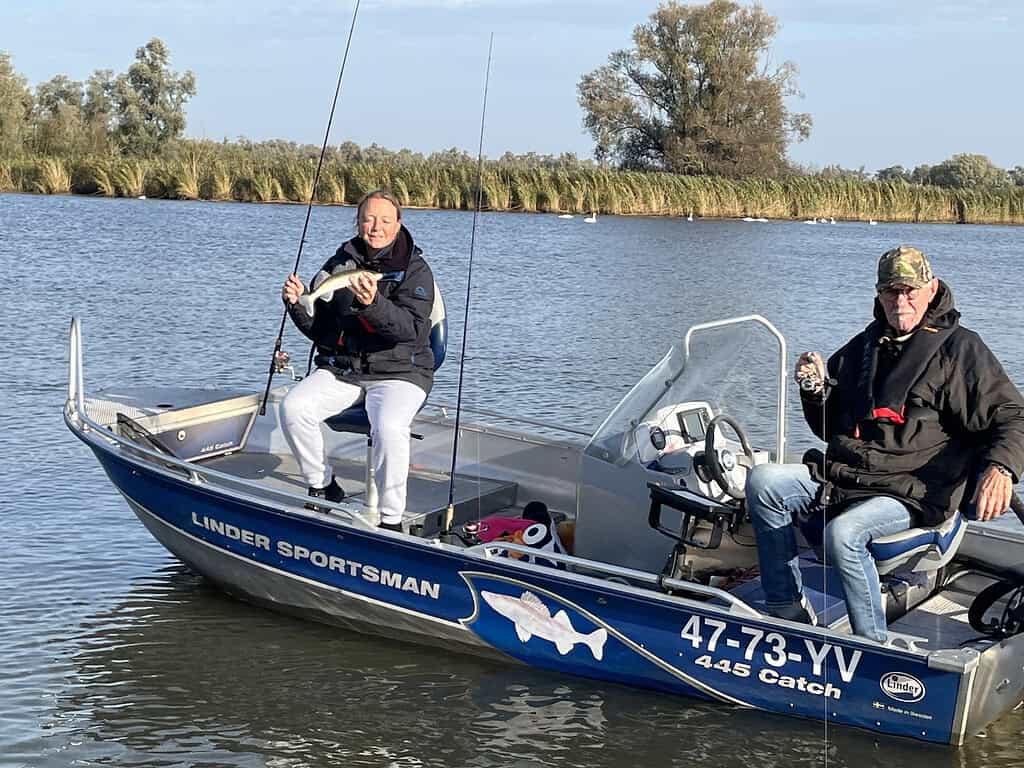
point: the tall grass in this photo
(129, 177)
(52, 176)
(184, 177)
(257, 173)
(7, 178)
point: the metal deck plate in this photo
(475, 497)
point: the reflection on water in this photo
(178, 674)
(112, 654)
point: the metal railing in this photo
(736, 605)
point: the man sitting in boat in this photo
(372, 335)
(912, 408)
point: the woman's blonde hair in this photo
(377, 194)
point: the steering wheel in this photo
(721, 461)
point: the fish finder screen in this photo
(691, 424)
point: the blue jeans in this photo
(776, 494)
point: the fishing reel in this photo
(282, 363)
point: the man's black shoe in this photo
(397, 527)
(332, 492)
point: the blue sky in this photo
(908, 82)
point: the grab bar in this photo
(76, 388)
(491, 548)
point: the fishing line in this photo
(449, 514)
(309, 209)
(824, 521)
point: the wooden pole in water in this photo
(309, 208)
(449, 514)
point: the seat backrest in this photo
(919, 549)
(438, 328)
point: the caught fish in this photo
(335, 282)
(531, 617)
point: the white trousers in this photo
(391, 405)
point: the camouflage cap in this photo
(903, 266)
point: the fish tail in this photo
(306, 303)
(595, 642)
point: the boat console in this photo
(671, 444)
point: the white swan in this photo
(831, 220)
(872, 222)
(592, 218)
(565, 215)
(690, 217)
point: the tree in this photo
(98, 104)
(58, 127)
(1017, 175)
(839, 173)
(149, 100)
(695, 94)
(966, 171)
(60, 91)
(15, 107)
(893, 173)
(921, 174)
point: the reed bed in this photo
(208, 171)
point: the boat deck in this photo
(475, 497)
(942, 618)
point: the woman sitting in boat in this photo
(368, 314)
(911, 408)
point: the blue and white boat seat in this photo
(919, 549)
(355, 419)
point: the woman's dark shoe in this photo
(332, 492)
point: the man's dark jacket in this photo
(917, 419)
(390, 337)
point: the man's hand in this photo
(810, 368)
(365, 288)
(293, 288)
(993, 493)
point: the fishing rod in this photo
(449, 515)
(279, 358)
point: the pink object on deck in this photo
(492, 528)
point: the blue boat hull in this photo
(417, 590)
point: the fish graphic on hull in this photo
(532, 618)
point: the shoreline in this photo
(748, 218)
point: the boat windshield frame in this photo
(613, 441)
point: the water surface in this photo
(112, 653)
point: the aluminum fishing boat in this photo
(656, 583)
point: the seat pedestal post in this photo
(372, 510)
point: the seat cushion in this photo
(354, 419)
(919, 549)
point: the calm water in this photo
(111, 653)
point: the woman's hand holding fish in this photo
(293, 288)
(365, 288)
